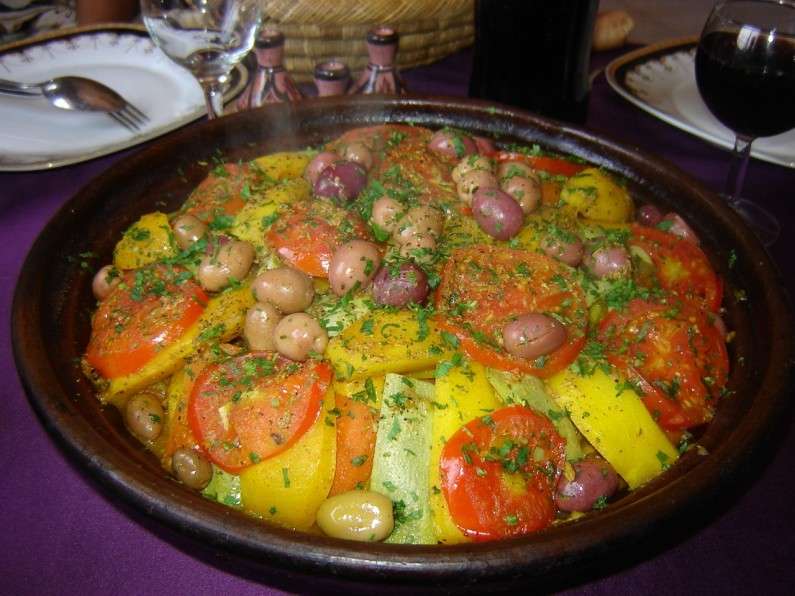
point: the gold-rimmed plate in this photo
(661, 80)
(36, 136)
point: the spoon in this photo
(69, 93)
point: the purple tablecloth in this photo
(60, 535)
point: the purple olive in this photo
(648, 215)
(342, 180)
(594, 479)
(485, 146)
(608, 262)
(679, 227)
(567, 249)
(497, 213)
(399, 288)
(319, 163)
(533, 335)
(452, 144)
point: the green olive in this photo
(361, 515)
(144, 416)
(191, 468)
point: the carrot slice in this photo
(356, 432)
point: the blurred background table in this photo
(62, 535)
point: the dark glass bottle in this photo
(534, 54)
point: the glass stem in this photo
(213, 98)
(738, 167)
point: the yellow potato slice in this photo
(595, 195)
(462, 395)
(287, 489)
(289, 164)
(614, 420)
(386, 342)
(220, 321)
(147, 241)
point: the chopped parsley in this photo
(359, 460)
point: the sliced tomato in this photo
(149, 310)
(485, 287)
(254, 406)
(681, 267)
(308, 235)
(413, 172)
(674, 354)
(551, 165)
(499, 473)
(550, 192)
(220, 193)
(380, 137)
(402, 162)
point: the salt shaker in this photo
(380, 75)
(332, 78)
(271, 82)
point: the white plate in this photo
(661, 80)
(35, 135)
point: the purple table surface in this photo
(59, 534)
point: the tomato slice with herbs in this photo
(254, 406)
(147, 311)
(545, 163)
(485, 287)
(675, 356)
(308, 235)
(680, 266)
(499, 473)
(403, 167)
(222, 193)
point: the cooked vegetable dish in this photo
(411, 336)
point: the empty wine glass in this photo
(207, 37)
(745, 71)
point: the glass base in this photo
(762, 222)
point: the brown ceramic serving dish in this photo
(53, 309)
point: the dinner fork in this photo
(78, 93)
(130, 117)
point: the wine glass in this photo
(745, 71)
(207, 37)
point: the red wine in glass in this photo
(745, 72)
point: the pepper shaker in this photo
(271, 82)
(381, 74)
(332, 78)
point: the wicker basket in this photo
(319, 30)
